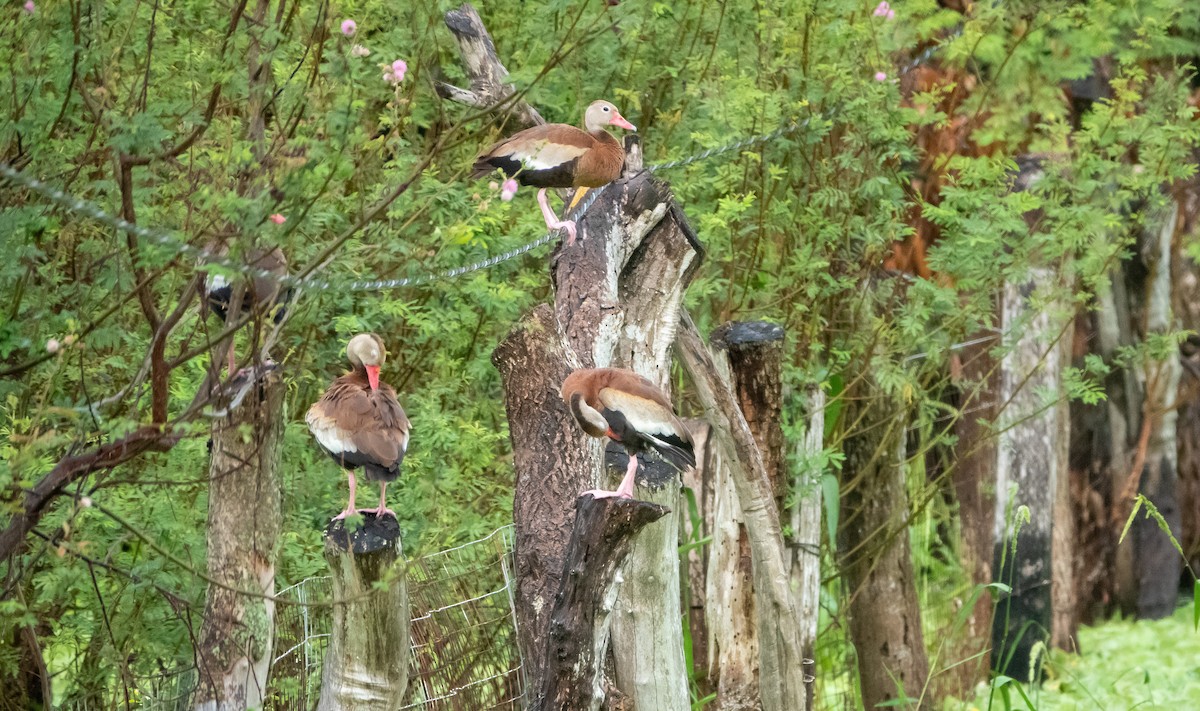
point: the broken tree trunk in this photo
(749, 357)
(244, 521)
(601, 538)
(617, 293)
(1032, 454)
(781, 660)
(367, 661)
(489, 78)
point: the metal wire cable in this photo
(180, 246)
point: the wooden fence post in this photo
(367, 661)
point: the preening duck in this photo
(629, 409)
(359, 421)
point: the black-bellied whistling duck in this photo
(560, 156)
(627, 408)
(359, 422)
(261, 291)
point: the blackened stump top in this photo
(745, 333)
(376, 533)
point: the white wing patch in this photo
(645, 416)
(328, 434)
(545, 155)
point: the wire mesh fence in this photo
(464, 639)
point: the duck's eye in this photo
(606, 108)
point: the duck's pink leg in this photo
(625, 490)
(381, 509)
(350, 506)
(552, 220)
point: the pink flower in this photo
(882, 9)
(880, 76)
(508, 190)
(86, 501)
(395, 73)
(349, 27)
(29, 7)
(359, 51)
(277, 219)
(52, 345)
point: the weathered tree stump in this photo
(749, 356)
(781, 660)
(366, 664)
(601, 538)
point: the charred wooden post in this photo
(781, 672)
(244, 522)
(601, 538)
(367, 661)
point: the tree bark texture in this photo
(1032, 458)
(367, 661)
(973, 475)
(781, 660)
(749, 358)
(616, 303)
(244, 521)
(601, 537)
(874, 553)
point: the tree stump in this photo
(601, 538)
(366, 664)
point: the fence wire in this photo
(464, 639)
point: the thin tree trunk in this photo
(1157, 564)
(244, 521)
(805, 546)
(973, 475)
(874, 552)
(367, 661)
(1032, 461)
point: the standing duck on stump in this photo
(359, 422)
(264, 290)
(560, 156)
(630, 410)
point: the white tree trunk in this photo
(1031, 471)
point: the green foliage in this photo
(1124, 664)
(794, 232)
